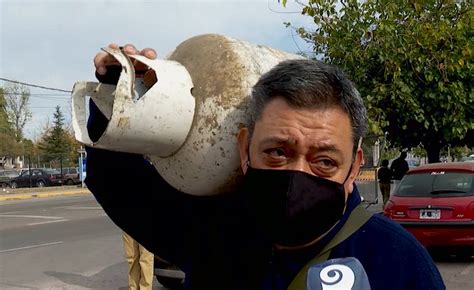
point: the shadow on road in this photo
(10, 285)
(450, 255)
(105, 279)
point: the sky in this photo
(52, 43)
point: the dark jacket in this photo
(214, 242)
(384, 175)
(399, 168)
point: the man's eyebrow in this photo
(326, 148)
(276, 140)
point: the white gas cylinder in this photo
(187, 122)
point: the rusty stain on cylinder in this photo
(124, 123)
(216, 69)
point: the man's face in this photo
(318, 142)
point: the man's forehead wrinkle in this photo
(276, 140)
(320, 145)
(325, 147)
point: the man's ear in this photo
(358, 162)
(244, 143)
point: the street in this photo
(60, 243)
(69, 243)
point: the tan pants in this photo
(385, 189)
(140, 265)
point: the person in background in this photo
(399, 167)
(140, 264)
(384, 176)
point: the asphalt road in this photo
(60, 243)
(69, 243)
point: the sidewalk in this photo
(374, 208)
(27, 193)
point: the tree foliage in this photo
(55, 143)
(74, 147)
(9, 147)
(17, 98)
(410, 59)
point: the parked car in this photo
(435, 202)
(469, 158)
(39, 177)
(21, 170)
(6, 177)
(71, 176)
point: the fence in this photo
(367, 185)
(366, 181)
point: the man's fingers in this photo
(113, 45)
(130, 49)
(99, 63)
(148, 53)
(140, 67)
(102, 59)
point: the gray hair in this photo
(305, 83)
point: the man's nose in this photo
(300, 164)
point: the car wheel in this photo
(40, 183)
(69, 182)
(13, 184)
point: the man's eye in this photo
(325, 164)
(276, 152)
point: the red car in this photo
(435, 202)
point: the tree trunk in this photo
(433, 151)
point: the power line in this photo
(47, 107)
(35, 86)
(43, 97)
(52, 98)
(37, 94)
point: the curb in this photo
(20, 196)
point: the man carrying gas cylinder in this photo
(296, 220)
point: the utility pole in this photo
(82, 165)
(29, 168)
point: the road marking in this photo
(31, 247)
(10, 212)
(48, 222)
(81, 207)
(31, 216)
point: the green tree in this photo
(74, 147)
(410, 59)
(418, 151)
(9, 147)
(457, 153)
(54, 143)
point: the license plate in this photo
(430, 214)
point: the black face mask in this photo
(292, 208)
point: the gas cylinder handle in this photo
(145, 125)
